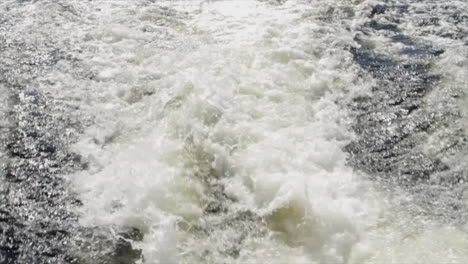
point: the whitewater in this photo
(237, 131)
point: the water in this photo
(236, 131)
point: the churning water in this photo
(235, 131)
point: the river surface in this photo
(238, 131)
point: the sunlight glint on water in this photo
(245, 95)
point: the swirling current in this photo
(233, 131)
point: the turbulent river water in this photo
(235, 131)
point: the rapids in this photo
(237, 131)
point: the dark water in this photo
(35, 221)
(394, 122)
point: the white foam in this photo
(249, 92)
